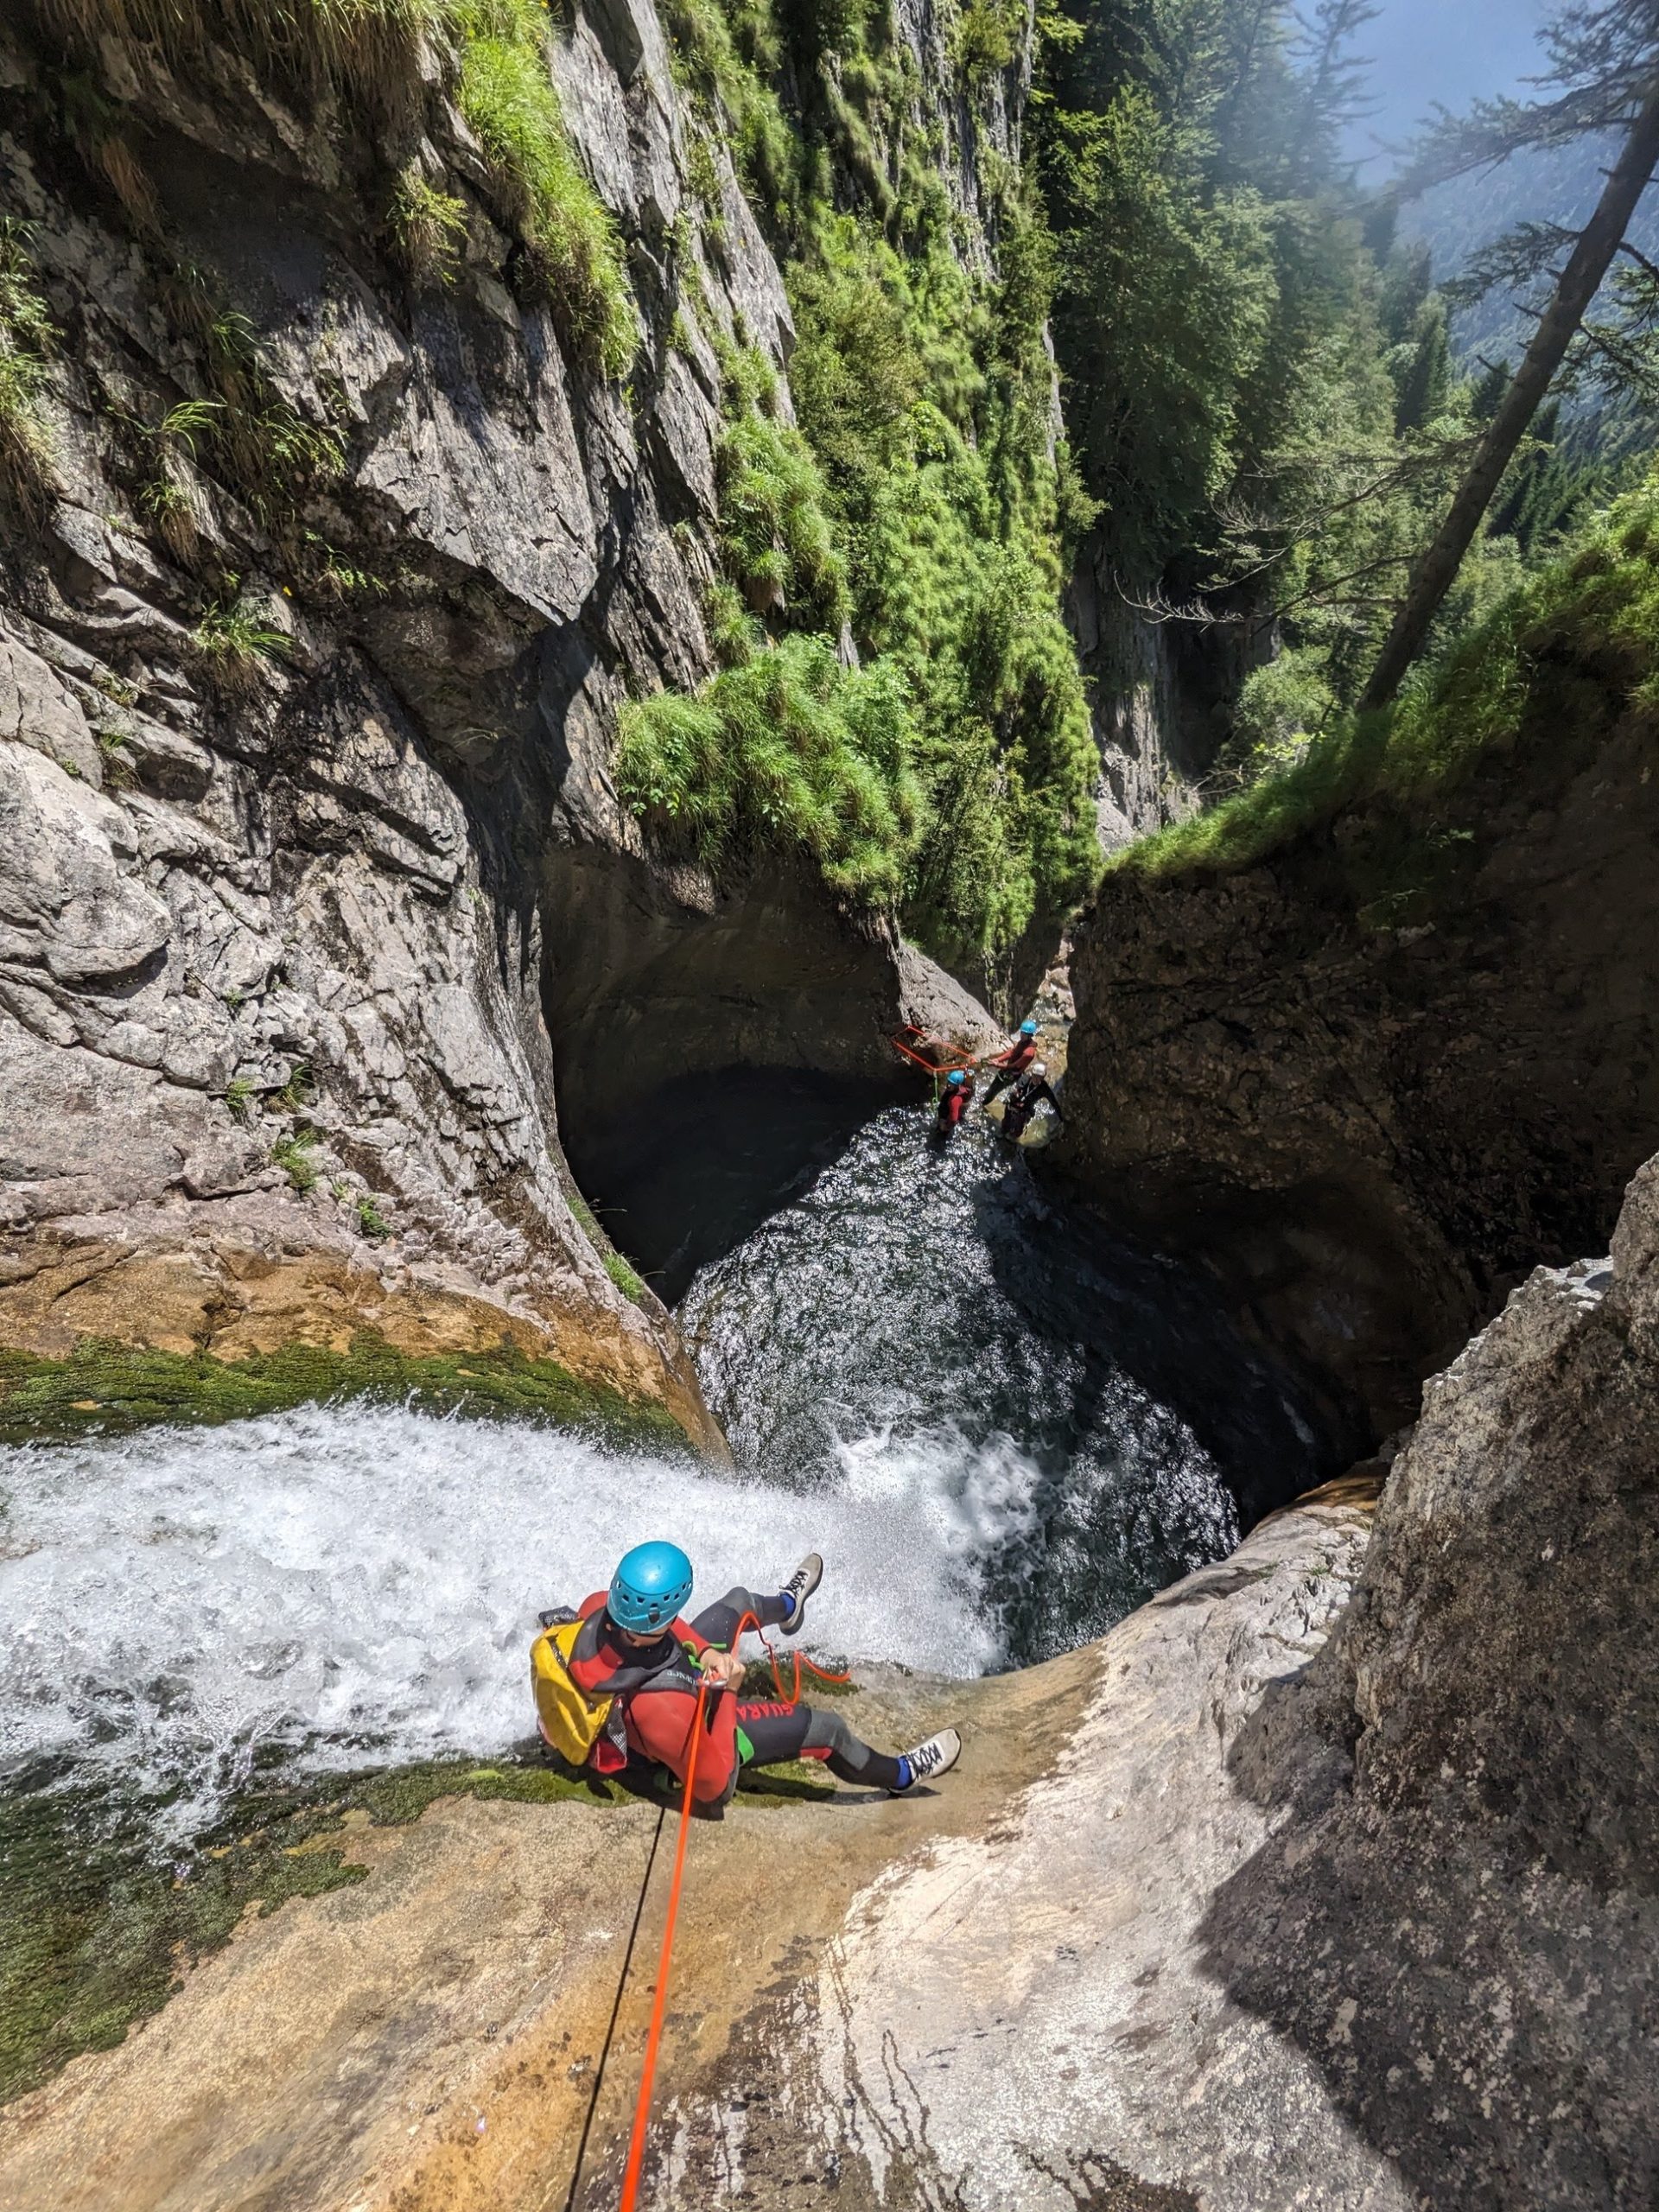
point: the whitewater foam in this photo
(351, 1582)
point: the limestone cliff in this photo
(318, 907)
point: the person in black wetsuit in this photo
(1022, 1101)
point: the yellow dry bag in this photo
(570, 1721)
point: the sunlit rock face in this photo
(274, 1057)
(306, 945)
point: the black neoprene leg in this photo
(718, 1623)
(779, 1733)
(999, 1082)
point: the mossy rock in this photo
(110, 1388)
(97, 1925)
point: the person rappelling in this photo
(1012, 1065)
(1028, 1092)
(619, 1681)
(955, 1099)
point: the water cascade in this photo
(1001, 1432)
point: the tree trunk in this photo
(1598, 241)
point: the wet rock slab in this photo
(868, 1994)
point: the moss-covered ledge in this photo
(98, 1924)
(106, 1387)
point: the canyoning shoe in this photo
(931, 1759)
(800, 1586)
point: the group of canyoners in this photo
(620, 1683)
(1018, 1072)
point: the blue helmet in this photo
(649, 1587)
(956, 1075)
(1028, 1029)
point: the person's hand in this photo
(723, 1670)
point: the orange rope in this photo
(951, 1058)
(792, 1696)
(654, 2036)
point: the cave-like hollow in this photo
(712, 1052)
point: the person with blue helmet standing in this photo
(636, 1648)
(1012, 1065)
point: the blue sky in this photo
(1450, 50)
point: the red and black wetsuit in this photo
(655, 1687)
(1011, 1064)
(954, 1101)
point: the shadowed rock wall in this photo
(1373, 1079)
(1457, 1922)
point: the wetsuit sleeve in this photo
(1045, 1090)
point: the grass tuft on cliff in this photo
(1544, 665)
(726, 53)
(26, 335)
(507, 96)
(110, 1388)
(790, 749)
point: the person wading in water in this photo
(632, 1646)
(954, 1101)
(1023, 1100)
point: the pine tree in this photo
(1605, 63)
(1428, 378)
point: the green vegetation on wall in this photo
(781, 552)
(1572, 646)
(927, 398)
(106, 1387)
(26, 335)
(506, 93)
(930, 748)
(788, 748)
